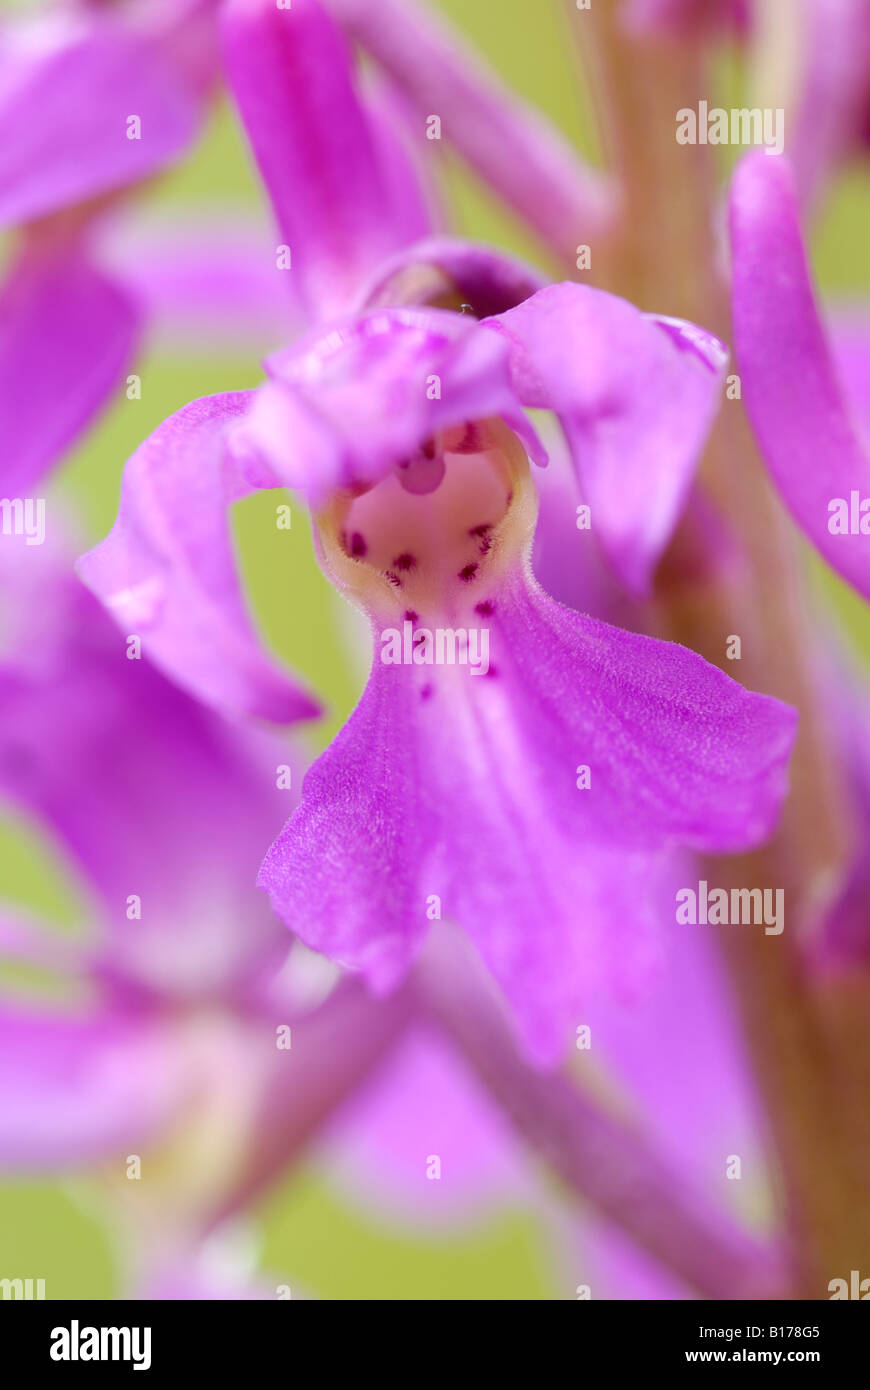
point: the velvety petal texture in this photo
(167, 571)
(333, 182)
(794, 394)
(67, 334)
(341, 410)
(455, 795)
(70, 84)
(636, 395)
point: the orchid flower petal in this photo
(472, 802)
(145, 791)
(206, 282)
(66, 337)
(70, 86)
(73, 1090)
(510, 145)
(167, 572)
(831, 90)
(344, 409)
(636, 395)
(321, 160)
(799, 410)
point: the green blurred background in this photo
(313, 1236)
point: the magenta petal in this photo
(851, 347)
(636, 395)
(68, 86)
(66, 338)
(290, 73)
(411, 179)
(345, 408)
(794, 395)
(75, 1090)
(167, 572)
(345, 871)
(469, 793)
(512, 147)
(205, 281)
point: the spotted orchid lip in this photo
(400, 554)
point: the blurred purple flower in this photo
(514, 150)
(161, 809)
(809, 431)
(93, 100)
(830, 90)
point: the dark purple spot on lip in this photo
(482, 532)
(426, 692)
(471, 441)
(485, 609)
(409, 616)
(492, 672)
(394, 579)
(358, 546)
(404, 562)
(467, 573)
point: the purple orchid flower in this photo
(807, 427)
(404, 427)
(93, 101)
(425, 515)
(160, 808)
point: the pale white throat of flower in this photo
(432, 542)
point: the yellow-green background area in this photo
(310, 1233)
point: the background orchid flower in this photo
(824, 86)
(809, 431)
(93, 101)
(160, 808)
